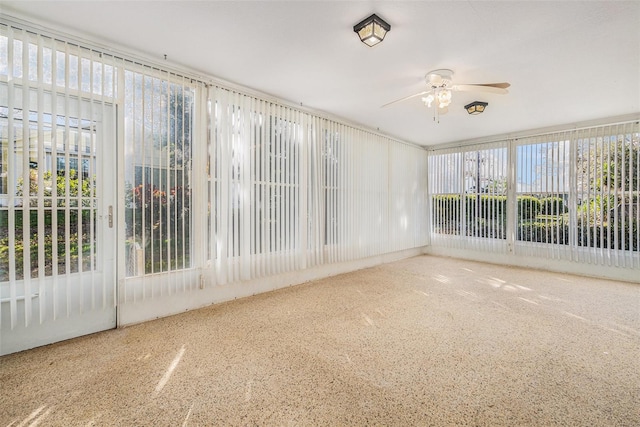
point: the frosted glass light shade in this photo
(476, 107)
(372, 30)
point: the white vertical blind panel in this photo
(346, 195)
(90, 145)
(259, 193)
(53, 99)
(543, 193)
(55, 142)
(245, 145)
(341, 186)
(280, 136)
(316, 184)
(445, 188)
(254, 179)
(285, 189)
(159, 132)
(265, 167)
(236, 167)
(575, 196)
(297, 210)
(421, 196)
(286, 156)
(11, 181)
(26, 177)
(608, 194)
(468, 197)
(314, 178)
(40, 180)
(69, 84)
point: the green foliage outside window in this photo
(80, 212)
(542, 219)
(158, 223)
(552, 206)
(529, 207)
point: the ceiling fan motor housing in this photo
(439, 78)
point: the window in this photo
(575, 195)
(468, 193)
(334, 183)
(485, 184)
(542, 188)
(608, 189)
(158, 145)
(275, 176)
(445, 187)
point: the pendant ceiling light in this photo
(476, 107)
(372, 30)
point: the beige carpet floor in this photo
(423, 341)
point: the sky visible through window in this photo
(543, 168)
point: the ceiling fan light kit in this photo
(428, 100)
(372, 30)
(476, 107)
(444, 98)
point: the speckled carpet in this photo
(423, 341)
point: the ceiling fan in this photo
(439, 88)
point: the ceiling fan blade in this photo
(502, 85)
(490, 88)
(406, 98)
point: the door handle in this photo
(110, 216)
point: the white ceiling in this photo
(567, 61)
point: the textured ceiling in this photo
(567, 61)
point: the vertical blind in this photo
(468, 195)
(254, 177)
(407, 188)
(216, 186)
(607, 194)
(159, 110)
(288, 190)
(542, 195)
(54, 101)
(576, 195)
